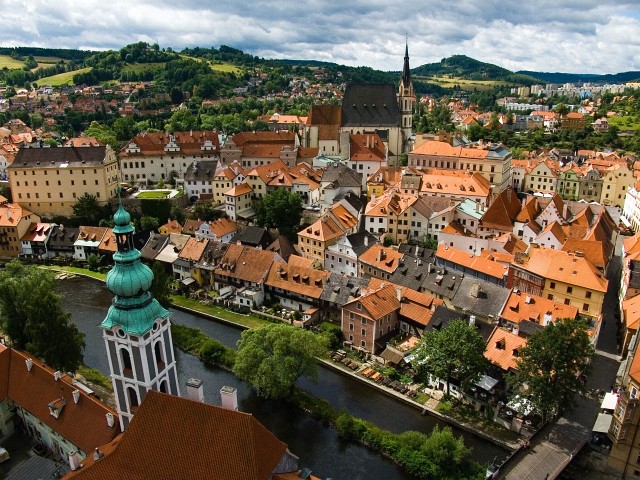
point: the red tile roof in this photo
(523, 306)
(176, 438)
(84, 424)
(476, 263)
(301, 280)
(502, 347)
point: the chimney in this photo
(74, 460)
(76, 396)
(29, 363)
(516, 330)
(97, 455)
(366, 240)
(229, 397)
(564, 211)
(399, 294)
(56, 375)
(110, 419)
(429, 269)
(194, 390)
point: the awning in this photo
(486, 382)
(188, 281)
(603, 422)
(609, 402)
(391, 356)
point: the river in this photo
(318, 446)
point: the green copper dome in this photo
(134, 309)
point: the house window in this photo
(364, 321)
(588, 294)
(585, 307)
(552, 285)
(364, 332)
(351, 315)
(569, 289)
(351, 327)
(359, 305)
(567, 301)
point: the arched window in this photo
(133, 399)
(125, 359)
(157, 350)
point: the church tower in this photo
(137, 330)
(406, 101)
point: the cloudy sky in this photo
(575, 36)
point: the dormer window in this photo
(55, 407)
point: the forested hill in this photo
(556, 77)
(461, 66)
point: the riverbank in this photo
(503, 439)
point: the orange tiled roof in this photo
(324, 229)
(522, 306)
(501, 346)
(222, 227)
(37, 232)
(266, 172)
(414, 305)
(193, 249)
(300, 280)
(166, 439)
(631, 312)
(381, 257)
(564, 267)
(108, 242)
(172, 226)
(343, 216)
(245, 263)
(238, 190)
(84, 423)
(366, 147)
(379, 302)
(502, 211)
(444, 149)
(190, 226)
(11, 214)
(154, 143)
(479, 264)
(456, 183)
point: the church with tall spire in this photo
(137, 329)
(406, 102)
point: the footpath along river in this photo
(318, 446)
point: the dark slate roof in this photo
(406, 71)
(213, 252)
(354, 200)
(528, 328)
(440, 281)
(410, 274)
(442, 316)
(252, 236)
(341, 176)
(140, 239)
(56, 157)
(38, 467)
(427, 206)
(481, 298)
(283, 247)
(357, 242)
(370, 104)
(201, 171)
(414, 251)
(63, 237)
(341, 289)
(154, 246)
(634, 279)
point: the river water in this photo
(318, 446)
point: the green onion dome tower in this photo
(136, 330)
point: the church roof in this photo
(204, 442)
(373, 105)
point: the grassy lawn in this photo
(465, 84)
(153, 194)
(143, 67)
(247, 320)
(82, 271)
(224, 67)
(62, 78)
(10, 63)
(625, 122)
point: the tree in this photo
(103, 133)
(87, 210)
(32, 317)
(280, 209)
(551, 364)
(160, 284)
(274, 356)
(455, 351)
(148, 223)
